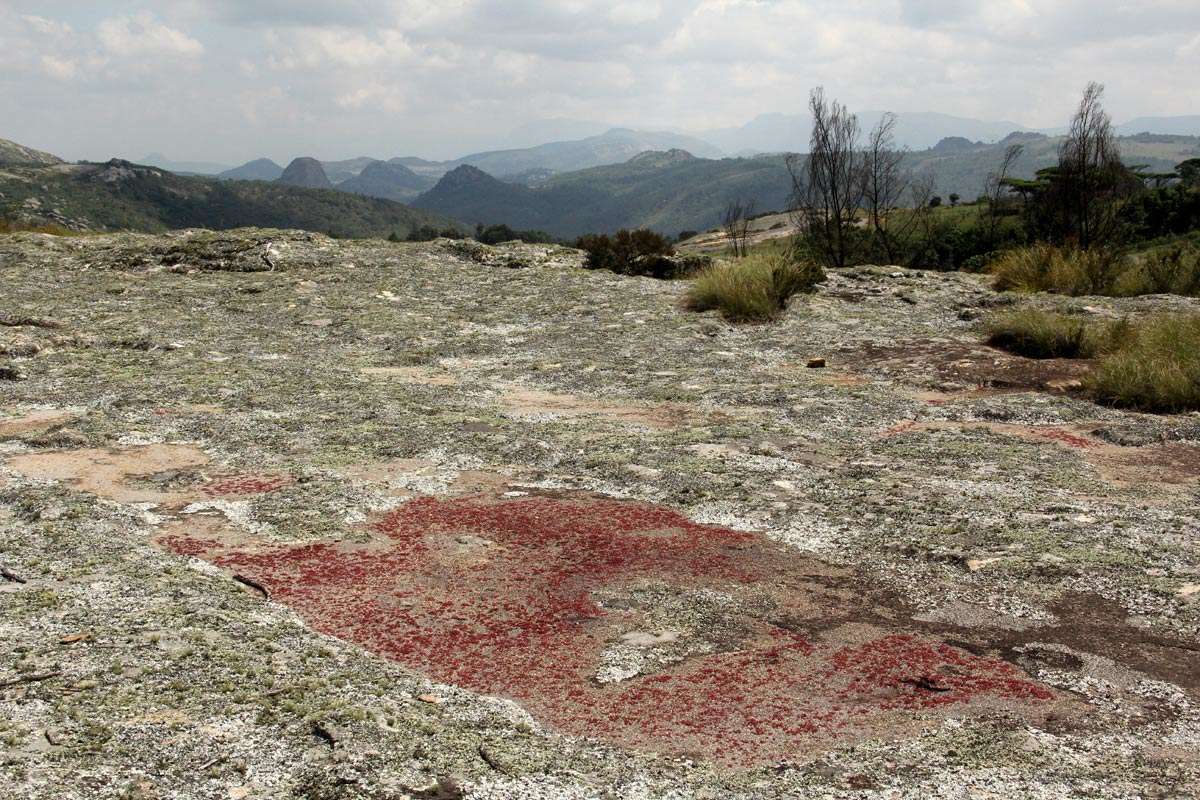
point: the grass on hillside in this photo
(1149, 365)
(754, 289)
(1047, 268)
(1044, 334)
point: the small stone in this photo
(645, 473)
(771, 449)
(432, 699)
(816, 363)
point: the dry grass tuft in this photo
(1045, 334)
(754, 289)
(1046, 268)
(1156, 368)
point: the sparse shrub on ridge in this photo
(1156, 369)
(639, 252)
(1046, 334)
(495, 234)
(427, 233)
(754, 289)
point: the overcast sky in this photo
(228, 80)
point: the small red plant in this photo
(1067, 438)
(501, 597)
(245, 485)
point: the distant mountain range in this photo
(675, 191)
(668, 191)
(778, 133)
(1174, 126)
(666, 181)
(541, 147)
(182, 167)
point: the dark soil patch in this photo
(972, 367)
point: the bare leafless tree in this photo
(827, 184)
(920, 227)
(884, 187)
(995, 188)
(1090, 172)
(736, 222)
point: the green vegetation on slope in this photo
(122, 196)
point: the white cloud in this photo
(438, 77)
(141, 34)
(63, 69)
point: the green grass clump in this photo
(1045, 334)
(1156, 368)
(755, 289)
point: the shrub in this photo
(1044, 334)
(427, 233)
(1156, 369)
(495, 234)
(1047, 268)
(639, 252)
(754, 289)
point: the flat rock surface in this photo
(283, 516)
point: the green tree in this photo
(1189, 173)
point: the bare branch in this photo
(828, 185)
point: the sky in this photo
(231, 80)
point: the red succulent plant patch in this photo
(244, 485)
(526, 598)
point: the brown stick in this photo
(37, 676)
(8, 574)
(490, 760)
(253, 584)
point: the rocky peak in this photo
(306, 173)
(466, 175)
